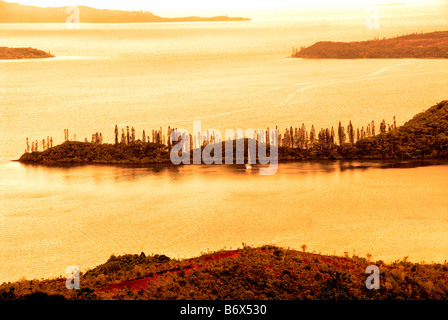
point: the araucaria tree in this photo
(351, 133)
(132, 134)
(123, 137)
(341, 134)
(127, 135)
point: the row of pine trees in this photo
(129, 136)
(34, 146)
(301, 138)
(291, 138)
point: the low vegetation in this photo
(71, 152)
(264, 273)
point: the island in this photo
(425, 136)
(18, 13)
(23, 53)
(248, 273)
(433, 45)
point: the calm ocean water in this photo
(227, 75)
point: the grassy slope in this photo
(250, 273)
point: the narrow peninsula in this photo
(423, 137)
(433, 45)
(23, 53)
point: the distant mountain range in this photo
(18, 13)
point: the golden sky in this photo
(248, 8)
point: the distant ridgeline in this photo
(19, 13)
(23, 53)
(423, 137)
(424, 45)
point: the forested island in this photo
(425, 136)
(23, 53)
(263, 273)
(417, 45)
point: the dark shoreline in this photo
(383, 163)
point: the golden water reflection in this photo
(58, 216)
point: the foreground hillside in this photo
(265, 273)
(424, 45)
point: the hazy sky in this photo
(248, 8)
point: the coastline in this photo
(169, 164)
(351, 212)
(431, 45)
(425, 136)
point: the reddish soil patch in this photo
(142, 283)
